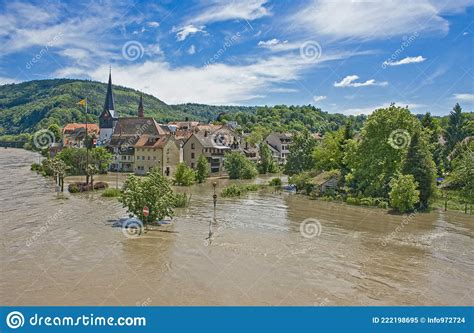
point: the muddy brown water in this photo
(67, 252)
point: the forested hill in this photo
(29, 106)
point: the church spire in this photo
(109, 98)
(140, 107)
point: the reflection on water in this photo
(66, 251)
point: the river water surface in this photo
(68, 252)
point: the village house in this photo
(203, 143)
(279, 144)
(126, 134)
(325, 181)
(74, 134)
(157, 152)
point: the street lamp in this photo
(214, 197)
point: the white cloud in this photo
(223, 11)
(319, 98)
(215, 83)
(270, 42)
(348, 81)
(370, 19)
(190, 29)
(192, 49)
(153, 24)
(405, 61)
(464, 97)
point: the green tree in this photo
(419, 163)
(300, 157)
(266, 163)
(455, 131)
(57, 132)
(258, 134)
(238, 166)
(101, 158)
(385, 138)
(329, 153)
(184, 176)
(152, 191)
(462, 176)
(432, 129)
(403, 193)
(202, 169)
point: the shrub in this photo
(73, 188)
(111, 193)
(202, 169)
(366, 201)
(180, 200)
(251, 187)
(184, 175)
(35, 167)
(239, 167)
(383, 204)
(352, 201)
(301, 181)
(275, 182)
(234, 190)
(403, 193)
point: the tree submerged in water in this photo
(153, 191)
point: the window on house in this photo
(192, 145)
(192, 165)
(192, 155)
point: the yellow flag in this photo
(82, 102)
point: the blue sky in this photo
(342, 56)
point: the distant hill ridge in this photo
(29, 106)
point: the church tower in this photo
(141, 114)
(109, 117)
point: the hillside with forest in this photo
(30, 106)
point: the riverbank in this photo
(68, 252)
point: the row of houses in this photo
(140, 144)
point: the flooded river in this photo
(67, 252)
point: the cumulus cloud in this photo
(348, 81)
(372, 19)
(190, 29)
(319, 98)
(405, 61)
(464, 97)
(215, 83)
